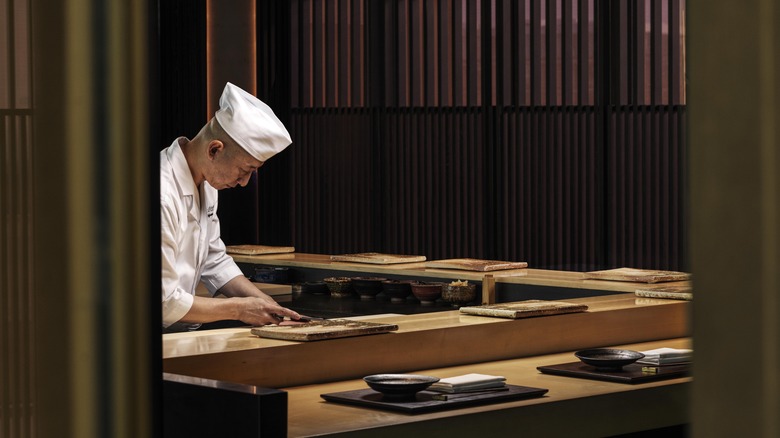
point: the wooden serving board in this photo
(667, 292)
(524, 309)
(637, 275)
(628, 374)
(258, 249)
(424, 401)
(318, 330)
(377, 258)
(475, 264)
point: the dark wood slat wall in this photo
(336, 202)
(646, 206)
(550, 188)
(555, 128)
(648, 52)
(328, 43)
(496, 109)
(273, 183)
(434, 180)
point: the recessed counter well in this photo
(550, 284)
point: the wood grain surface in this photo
(377, 258)
(258, 249)
(475, 264)
(319, 330)
(524, 309)
(637, 275)
(667, 292)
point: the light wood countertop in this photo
(572, 407)
(423, 341)
(529, 276)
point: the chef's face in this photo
(230, 166)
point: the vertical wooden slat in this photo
(537, 57)
(331, 53)
(418, 64)
(432, 52)
(459, 53)
(525, 53)
(446, 55)
(17, 316)
(344, 60)
(658, 52)
(474, 55)
(553, 23)
(297, 53)
(677, 52)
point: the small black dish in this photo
(397, 290)
(367, 287)
(608, 358)
(399, 386)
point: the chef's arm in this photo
(245, 303)
(240, 286)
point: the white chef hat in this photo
(251, 123)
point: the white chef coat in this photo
(192, 250)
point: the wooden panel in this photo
(551, 172)
(646, 168)
(422, 341)
(548, 179)
(323, 330)
(648, 49)
(582, 403)
(377, 258)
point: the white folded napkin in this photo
(468, 382)
(666, 356)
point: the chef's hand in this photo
(258, 311)
(244, 302)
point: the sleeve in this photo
(219, 267)
(176, 302)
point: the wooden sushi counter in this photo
(422, 341)
(291, 376)
(451, 343)
(572, 407)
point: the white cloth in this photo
(251, 123)
(666, 356)
(468, 382)
(192, 250)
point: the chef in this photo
(243, 134)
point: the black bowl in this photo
(397, 290)
(608, 358)
(315, 287)
(399, 386)
(367, 287)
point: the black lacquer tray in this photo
(425, 401)
(628, 374)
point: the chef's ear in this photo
(214, 147)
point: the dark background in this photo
(551, 132)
